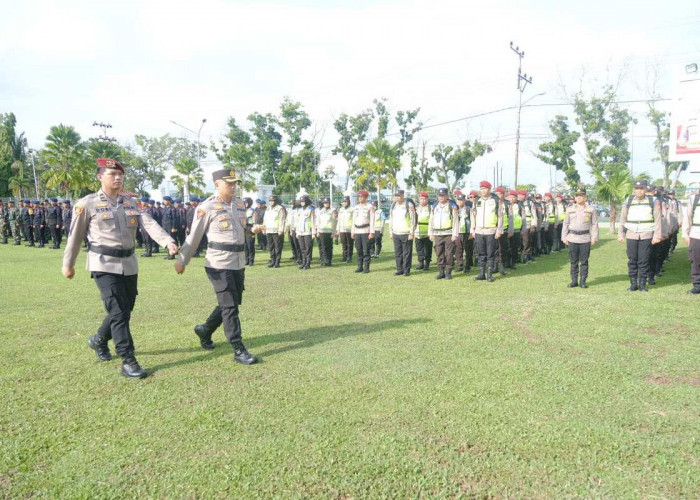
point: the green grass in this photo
(370, 385)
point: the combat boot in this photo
(582, 284)
(100, 347)
(643, 284)
(131, 368)
(241, 354)
(489, 275)
(482, 273)
(448, 274)
(501, 269)
(695, 290)
(441, 273)
(204, 335)
(574, 279)
(652, 281)
(420, 265)
(359, 268)
(366, 268)
(427, 265)
(633, 285)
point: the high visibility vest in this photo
(464, 220)
(550, 212)
(273, 219)
(640, 214)
(304, 221)
(325, 220)
(250, 213)
(423, 219)
(445, 221)
(517, 215)
(487, 213)
(378, 220)
(506, 209)
(345, 220)
(561, 212)
(400, 218)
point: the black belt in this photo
(112, 252)
(362, 226)
(580, 233)
(228, 247)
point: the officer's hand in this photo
(454, 238)
(280, 233)
(655, 241)
(68, 272)
(566, 242)
(621, 239)
(593, 242)
(471, 236)
(498, 235)
(432, 238)
(173, 230)
(510, 235)
(371, 236)
(179, 268)
(687, 240)
(172, 248)
(410, 237)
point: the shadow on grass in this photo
(615, 278)
(299, 339)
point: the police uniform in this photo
(487, 227)
(249, 236)
(39, 224)
(375, 245)
(274, 221)
(110, 225)
(362, 228)
(691, 231)
(402, 225)
(527, 234)
(443, 229)
(551, 222)
(325, 219)
(53, 221)
(424, 246)
(344, 229)
(502, 259)
(640, 223)
(260, 220)
(4, 223)
(293, 242)
(464, 246)
(225, 224)
(67, 218)
(519, 227)
(169, 221)
(305, 230)
(579, 232)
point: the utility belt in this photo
(227, 247)
(580, 233)
(111, 252)
(362, 226)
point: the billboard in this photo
(684, 144)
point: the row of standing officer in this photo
(35, 222)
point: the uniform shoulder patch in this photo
(200, 213)
(79, 209)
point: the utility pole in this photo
(32, 152)
(523, 80)
(104, 136)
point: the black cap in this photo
(442, 192)
(641, 183)
(461, 197)
(400, 192)
(580, 192)
(225, 175)
(346, 198)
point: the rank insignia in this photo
(101, 204)
(218, 207)
(200, 213)
(79, 209)
(132, 221)
(106, 216)
(224, 224)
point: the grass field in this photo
(370, 385)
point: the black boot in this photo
(204, 335)
(241, 354)
(420, 265)
(502, 269)
(489, 274)
(427, 265)
(643, 284)
(482, 273)
(131, 368)
(633, 285)
(359, 268)
(100, 347)
(652, 281)
(448, 274)
(695, 290)
(441, 273)
(582, 284)
(366, 268)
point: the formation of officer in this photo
(344, 229)
(223, 219)
(110, 220)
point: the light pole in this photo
(186, 185)
(36, 184)
(517, 132)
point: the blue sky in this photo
(140, 64)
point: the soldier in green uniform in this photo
(4, 223)
(15, 218)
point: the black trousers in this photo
(549, 235)
(249, 247)
(638, 253)
(147, 242)
(444, 247)
(39, 235)
(262, 241)
(674, 241)
(55, 234)
(294, 243)
(578, 257)
(526, 237)
(424, 249)
(306, 246)
(464, 251)
(502, 250)
(376, 244)
(403, 253)
(362, 247)
(275, 242)
(656, 259)
(346, 243)
(228, 286)
(118, 293)
(325, 247)
(557, 237)
(515, 249)
(694, 256)
(486, 249)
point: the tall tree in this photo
(454, 164)
(157, 154)
(298, 170)
(378, 163)
(69, 167)
(235, 152)
(383, 115)
(421, 170)
(189, 176)
(266, 146)
(11, 150)
(604, 126)
(662, 127)
(560, 151)
(613, 189)
(353, 132)
(293, 120)
(408, 128)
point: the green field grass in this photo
(370, 385)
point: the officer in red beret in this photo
(487, 227)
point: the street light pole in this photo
(36, 184)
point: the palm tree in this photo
(613, 189)
(65, 156)
(188, 174)
(378, 163)
(20, 180)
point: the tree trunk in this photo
(613, 217)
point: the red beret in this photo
(362, 192)
(522, 192)
(457, 192)
(548, 194)
(500, 190)
(485, 184)
(512, 192)
(109, 163)
(473, 193)
(559, 196)
(423, 194)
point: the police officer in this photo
(424, 245)
(305, 231)
(223, 219)
(274, 223)
(561, 213)
(249, 236)
(39, 224)
(145, 238)
(181, 212)
(640, 226)
(15, 219)
(402, 225)
(344, 229)
(28, 221)
(158, 217)
(260, 220)
(675, 207)
(502, 259)
(67, 217)
(487, 227)
(170, 221)
(527, 234)
(53, 221)
(110, 221)
(580, 232)
(464, 246)
(362, 230)
(4, 223)
(291, 220)
(691, 236)
(326, 220)
(550, 228)
(379, 222)
(443, 232)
